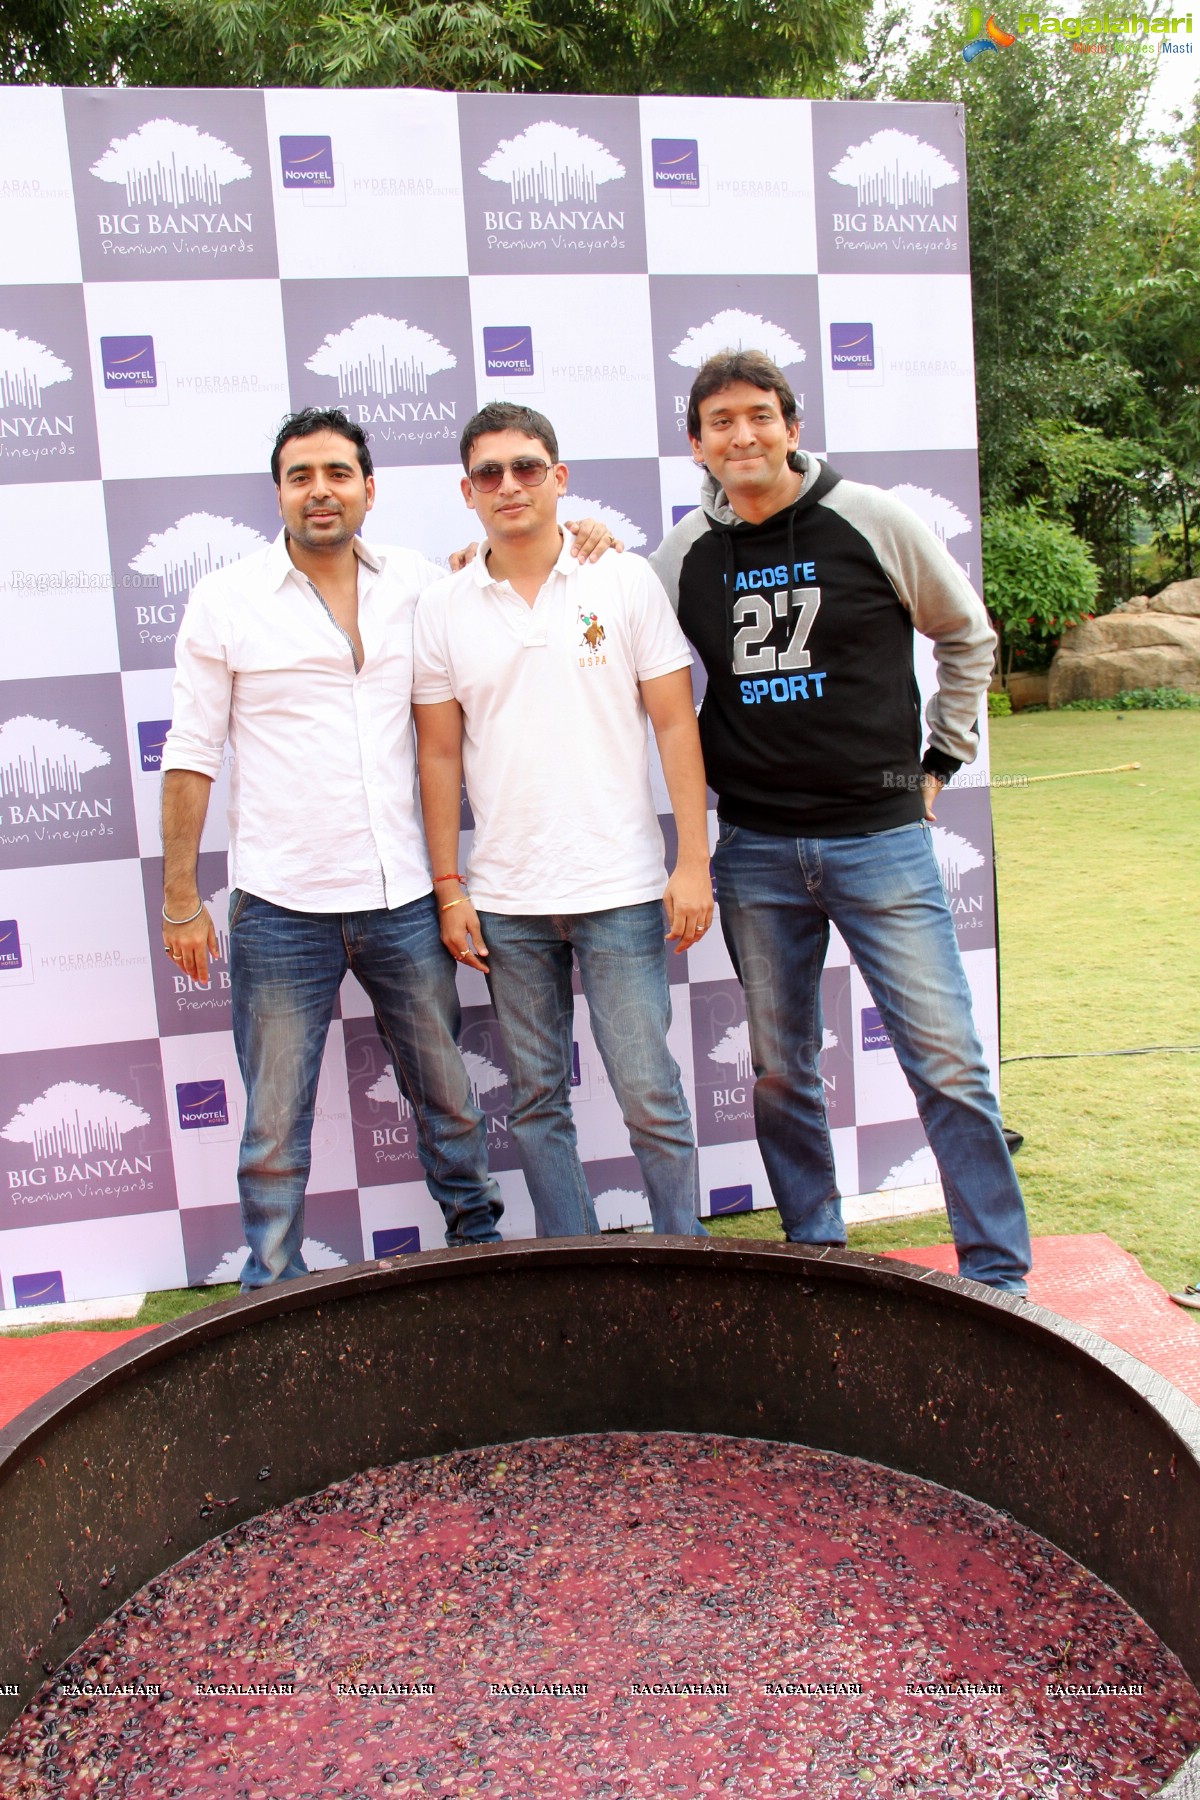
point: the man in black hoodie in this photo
(801, 591)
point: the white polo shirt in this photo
(555, 746)
(322, 813)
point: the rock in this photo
(1155, 644)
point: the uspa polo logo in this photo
(185, 1005)
(47, 413)
(396, 356)
(891, 189)
(696, 316)
(65, 790)
(171, 186)
(164, 536)
(307, 162)
(551, 184)
(83, 1135)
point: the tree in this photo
(1038, 579)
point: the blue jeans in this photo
(883, 892)
(623, 969)
(285, 971)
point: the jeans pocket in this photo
(726, 833)
(237, 905)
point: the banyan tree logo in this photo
(485, 1078)
(732, 329)
(316, 1254)
(894, 168)
(916, 1171)
(941, 515)
(218, 911)
(379, 355)
(26, 369)
(957, 856)
(168, 163)
(40, 756)
(386, 1092)
(553, 163)
(75, 1118)
(734, 1050)
(575, 506)
(193, 546)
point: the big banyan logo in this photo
(732, 329)
(193, 546)
(943, 518)
(26, 369)
(167, 163)
(41, 756)
(380, 355)
(76, 1118)
(895, 168)
(549, 162)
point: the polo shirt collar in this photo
(565, 565)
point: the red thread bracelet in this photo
(461, 879)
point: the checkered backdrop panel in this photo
(191, 265)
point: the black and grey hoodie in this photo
(811, 723)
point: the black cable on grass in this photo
(1077, 1055)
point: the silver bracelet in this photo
(167, 919)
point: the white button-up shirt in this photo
(323, 812)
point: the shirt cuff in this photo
(936, 762)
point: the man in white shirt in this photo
(301, 656)
(534, 676)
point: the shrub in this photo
(1039, 578)
(999, 705)
(1160, 699)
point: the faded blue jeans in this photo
(777, 896)
(285, 971)
(623, 970)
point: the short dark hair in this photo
(729, 366)
(321, 418)
(502, 415)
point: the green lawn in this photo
(1099, 885)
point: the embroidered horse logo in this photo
(593, 631)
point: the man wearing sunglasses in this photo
(535, 676)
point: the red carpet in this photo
(1093, 1282)
(30, 1367)
(1088, 1279)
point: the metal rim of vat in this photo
(179, 1434)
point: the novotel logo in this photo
(152, 735)
(128, 362)
(201, 1104)
(874, 1036)
(507, 350)
(10, 945)
(39, 1290)
(397, 1240)
(307, 162)
(676, 162)
(852, 346)
(730, 1200)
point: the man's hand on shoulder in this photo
(592, 539)
(460, 558)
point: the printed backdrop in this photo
(193, 264)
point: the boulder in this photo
(1143, 644)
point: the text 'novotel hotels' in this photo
(198, 263)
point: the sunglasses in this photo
(528, 470)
